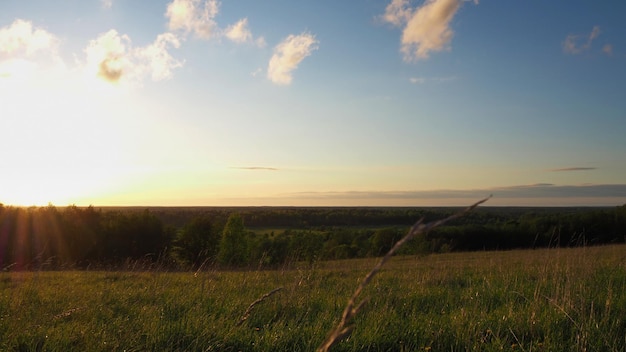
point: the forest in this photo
(188, 238)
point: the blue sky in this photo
(194, 102)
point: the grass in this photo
(355, 304)
(534, 300)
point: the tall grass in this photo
(535, 300)
(344, 327)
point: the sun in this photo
(59, 140)
(40, 185)
(30, 197)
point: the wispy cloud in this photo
(426, 28)
(198, 18)
(422, 80)
(255, 168)
(240, 33)
(398, 12)
(155, 58)
(576, 44)
(257, 72)
(565, 191)
(608, 49)
(574, 169)
(106, 4)
(112, 58)
(287, 56)
(190, 16)
(542, 193)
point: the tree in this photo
(233, 245)
(382, 240)
(198, 241)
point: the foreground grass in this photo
(542, 300)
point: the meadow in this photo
(561, 299)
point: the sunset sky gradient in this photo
(372, 103)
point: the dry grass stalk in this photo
(66, 313)
(200, 268)
(343, 329)
(246, 314)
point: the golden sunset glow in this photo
(397, 103)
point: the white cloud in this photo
(112, 58)
(260, 42)
(29, 58)
(287, 56)
(429, 29)
(190, 17)
(422, 80)
(157, 60)
(569, 45)
(572, 43)
(22, 38)
(397, 12)
(108, 56)
(257, 72)
(26, 50)
(426, 29)
(194, 17)
(239, 32)
(106, 4)
(595, 32)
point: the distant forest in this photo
(183, 238)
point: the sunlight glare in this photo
(61, 138)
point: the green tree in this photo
(233, 245)
(197, 241)
(382, 240)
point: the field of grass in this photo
(541, 300)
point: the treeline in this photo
(50, 237)
(182, 238)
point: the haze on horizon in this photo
(324, 103)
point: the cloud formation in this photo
(426, 29)
(194, 17)
(106, 4)
(287, 56)
(397, 12)
(109, 53)
(422, 80)
(21, 38)
(537, 194)
(190, 16)
(240, 33)
(608, 49)
(112, 58)
(576, 44)
(26, 50)
(156, 59)
(574, 169)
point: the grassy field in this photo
(541, 300)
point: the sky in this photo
(312, 103)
